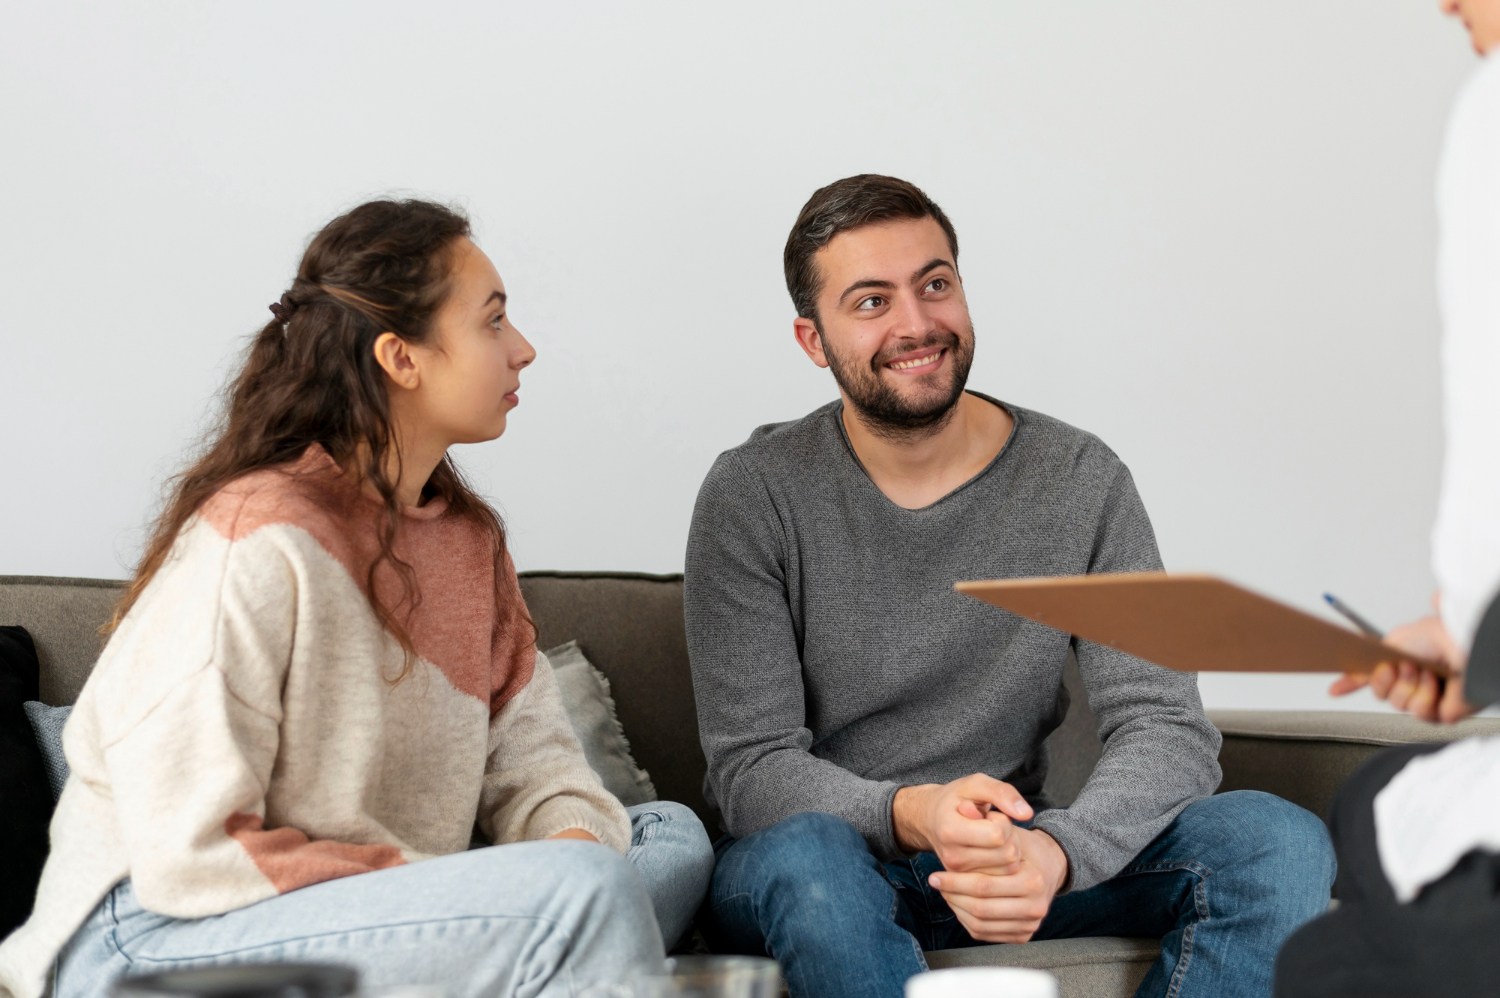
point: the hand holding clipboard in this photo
(1191, 623)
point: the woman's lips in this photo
(512, 397)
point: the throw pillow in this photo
(23, 781)
(591, 710)
(47, 723)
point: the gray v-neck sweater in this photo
(833, 662)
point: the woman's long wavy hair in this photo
(385, 266)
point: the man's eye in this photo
(937, 284)
(874, 301)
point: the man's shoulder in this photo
(1048, 446)
(778, 448)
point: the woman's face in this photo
(471, 365)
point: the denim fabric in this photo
(545, 919)
(1224, 885)
(673, 855)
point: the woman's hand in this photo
(574, 833)
(1406, 686)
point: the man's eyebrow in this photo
(932, 265)
(859, 285)
(498, 296)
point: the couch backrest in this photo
(628, 624)
(63, 617)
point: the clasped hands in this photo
(998, 877)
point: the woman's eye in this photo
(497, 321)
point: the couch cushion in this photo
(630, 627)
(1095, 967)
(591, 711)
(47, 725)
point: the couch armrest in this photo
(1304, 755)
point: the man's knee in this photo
(1258, 834)
(810, 853)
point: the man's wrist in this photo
(909, 809)
(1059, 857)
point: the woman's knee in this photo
(560, 874)
(667, 819)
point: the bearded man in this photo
(874, 739)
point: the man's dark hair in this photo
(843, 205)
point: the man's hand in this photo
(1408, 687)
(998, 879)
(1007, 906)
(967, 823)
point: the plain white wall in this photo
(1201, 230)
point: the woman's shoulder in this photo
(310, 493)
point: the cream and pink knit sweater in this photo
(241, 736)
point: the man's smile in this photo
(919, 361)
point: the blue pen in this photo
(1347, 612)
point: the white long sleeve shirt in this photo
(1466, 537)
(1441, 806)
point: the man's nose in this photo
(912, 319)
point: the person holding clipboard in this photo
(1417, 829)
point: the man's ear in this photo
(394, 356)
(810, 340)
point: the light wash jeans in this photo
(544, 918)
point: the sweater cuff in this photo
(562, 813)
(877, 823)
(1080, 878)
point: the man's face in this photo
(1481, 17)
(893, 324)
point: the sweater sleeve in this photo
(1160, 750)
(747, 672)
(181, 727)
(537, 782)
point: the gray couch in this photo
(630, 626)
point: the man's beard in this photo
(887, 411)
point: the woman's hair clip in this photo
(283, 309)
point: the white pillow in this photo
(585, 696)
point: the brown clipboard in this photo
(1191, 623)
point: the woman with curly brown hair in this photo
(323, 676)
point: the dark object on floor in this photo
(1441, 945)
(250, 980)
(23, 781)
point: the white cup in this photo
(982, 982)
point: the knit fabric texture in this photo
(247, 730)
(834, 663)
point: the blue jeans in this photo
(1223, 886)
(544, 918)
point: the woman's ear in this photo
(394, 355)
